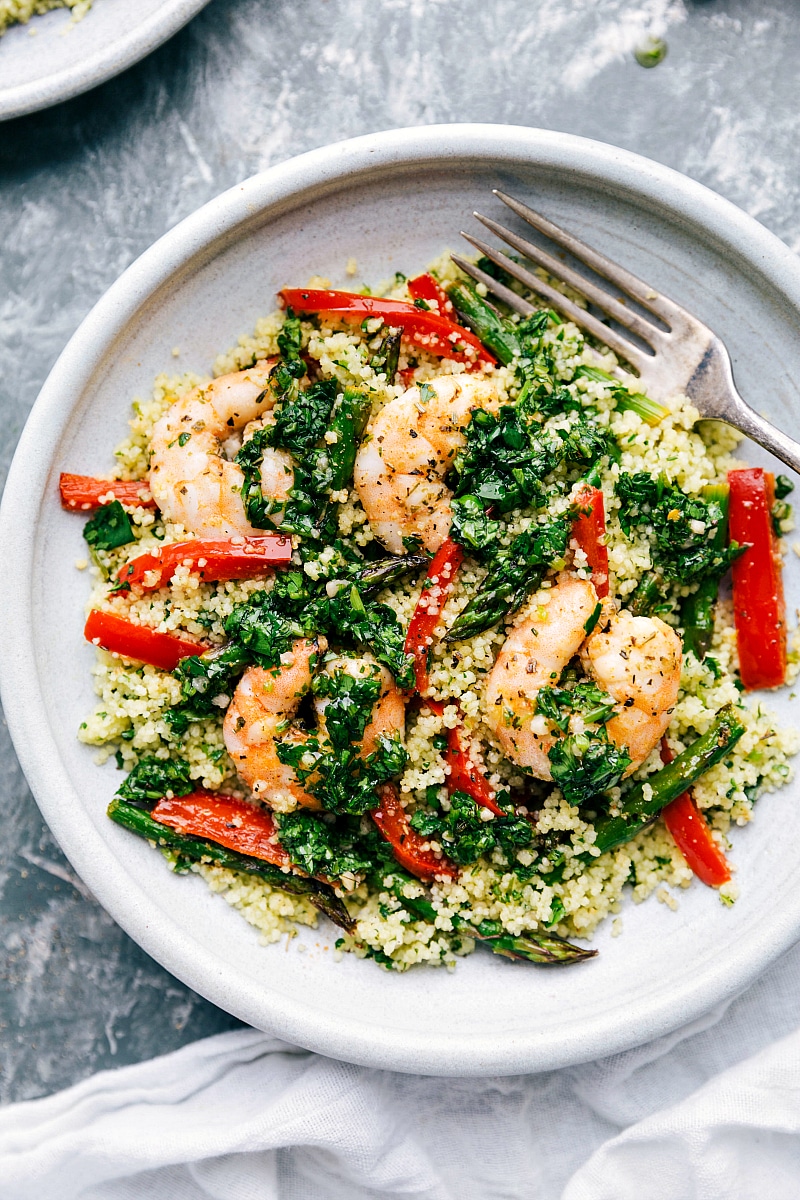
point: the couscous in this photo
(403, 616)
(19, 12)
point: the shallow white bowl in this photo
(392, 200)
(52, 59)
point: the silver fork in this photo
(686, 356)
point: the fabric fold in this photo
(710, 1112)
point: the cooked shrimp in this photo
(192, 482)
(637, 660)
(265, 705)
(546, 635)
(400, 468)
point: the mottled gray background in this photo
(85, 187)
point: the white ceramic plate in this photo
(392, 200)
(51, 58)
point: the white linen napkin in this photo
(711, 1112)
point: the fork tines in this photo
(652, 335)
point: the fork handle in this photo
(766, 434)
(714, 391)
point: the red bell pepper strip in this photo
(225, 820)
(87, 494)
(212, 560)
(758, 603)
(119, 636)
(466, 776)
(692, 836)
(428, 330)
(406, 843)
(427, 614)
(425, 287)
(588, 530)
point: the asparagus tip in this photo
(544, 949)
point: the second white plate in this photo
(53, 58)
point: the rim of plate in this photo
(206, 232)
(103, 64)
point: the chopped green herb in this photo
(466, 837)
(585, 765)
(109, 528)
(591, 622)
(207, 683)
(328, 763)
(376, 626)
(152, 778)
(320, 465)
(290, 338)
(558, 704)
(684, 527)
(471, 526)
(318, 847)
(783, 487)
(263, 628)
(781, 509)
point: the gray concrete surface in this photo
(85, 187)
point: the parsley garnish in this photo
(328, 763)
(465, 837)
(584, 765)
(684, 527)
(109, 528)
(152, 778)
(558, 704)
